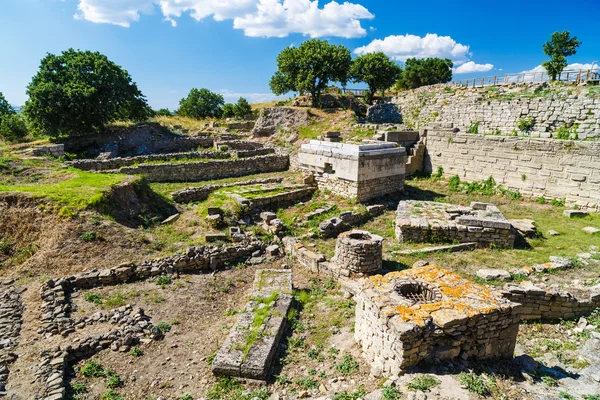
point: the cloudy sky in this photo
(229, 46)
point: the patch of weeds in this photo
(313, 353)
(566, 396)
(540, 200)
(163, 280)
(423, 383)
(111, 395)
(474, 383)
(333, 352)
(557, 202)
(525, 124)
(92, 369)
(227, 388)
(136, 351)
(347, 366)
(89, 236)
(231, 311)
(186, 396)
(390, 393)
(115, 300)
(355, 395)
(228, 285)
(594, 317)
(549, 381)
(113, 381)
(211, 358)
(474, 127)
(79, 388)
(163, 327)
(93, 298)
(283, 380)
(307, 383)
(591, 397)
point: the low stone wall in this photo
(249, 351)
(461, 319)
(236, 144)
(11, 311)
(359, 252)
(539, 303)
(217, 169)
(54, 150)
(119, 162)
(292, 195)
(362, 191)
(257, 152)
(562, 169)
(431, 222)
(343, 222)
(201, 193)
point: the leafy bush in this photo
(423, 383)
(93, 298)
(163, 280)
(88, 236)
(111, 395)
(80, 91)
(525, 124)
(12, 128)
(474, 127)
(347, 366)
(474, 383)
(242, 108)
(454, 183)
(92, 369)
(136, 351)
(228, 110)
(307, 383)
(163, 327)
(113, 381)
(390, 393)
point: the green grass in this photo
(474, 383)
(227, 388)
(261, 313)
(77, 189)
(347, 366)
(423, 383)
(92, 369)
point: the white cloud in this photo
(265, 18)
(570, 67)
(232, 97)
(471, 66)
(403, 47)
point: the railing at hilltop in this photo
(576, 76)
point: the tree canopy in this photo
(310, 67)
(201, 103)
(242, 108)
(5, 107)
(376, 70)
(79, 91)
(12, 126)
(427, 71)
(558, 48)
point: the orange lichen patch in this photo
(527, 268)
(460, 297)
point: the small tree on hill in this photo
(376, 70)
(560, 46)
(162, 112)
(228, 110)
(242, 108)
(12, 126)
(427, 71)
(201, 103)
(310, 67)
(80, 91)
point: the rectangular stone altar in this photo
(251, 346)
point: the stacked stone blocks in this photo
(359, 252)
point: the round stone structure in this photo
(359, 251)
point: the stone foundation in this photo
(431, 222)
(358, 251)
(201, 193)
(454, 318)
(249, 351)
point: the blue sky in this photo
(230, 46)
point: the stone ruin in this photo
(428, 313)
(252, 344)
(362, 171)
(430, 222)
(358, 252)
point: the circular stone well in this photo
(358, 251)
(418, 292)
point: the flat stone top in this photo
(269, 281)
(359, 236)
(461, 299)
(348, 149)
(414, 212)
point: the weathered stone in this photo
(591, 230)
(575, 213)
(493, 274)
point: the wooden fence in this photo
(577, 76)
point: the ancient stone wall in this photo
(499, 110)
(199, 171)
(549, 168)
(201, 193)
(358, 251)
(54, 150)
(11, 311)
(292, 195)
(539, 303)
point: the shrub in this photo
(201, 103)
(347, 366)
(423, 383)
(474, 383)
(163, 280)
(525, 124)
(88, 236)
(454, 183)
(242, 108)
(474, 127)
(113, 381)
(92, 369)
(136, 351)
(12, 128)
(163, 327)
(228, 110)
(93, 298)
(307, 383)
(79, 388)
(111, 395)
(390, 393)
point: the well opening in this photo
(359, 236)
(418, 292)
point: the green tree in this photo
(162, 112)
(80, 91)
(310, 67)
(201, 103)
(12, 126)
(376, 70)
(5, 107)
(426, 71)
(242, 108)
(228, 110)
(560, 46)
